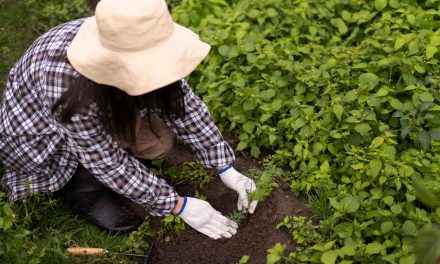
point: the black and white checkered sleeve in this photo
(114, 167)
(199, 131)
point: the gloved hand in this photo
(202, 217)
(241, 184)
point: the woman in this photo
(92, 95)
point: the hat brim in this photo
(137, 72)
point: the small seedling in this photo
(171, 227)
(237, 217)
(138, 240)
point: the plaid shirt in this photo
(40, 154)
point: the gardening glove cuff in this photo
(202, 217)
(242, 185)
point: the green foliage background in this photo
(344, 92)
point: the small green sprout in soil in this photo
(237, 217)
(137, 241)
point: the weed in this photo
(171, 227)
(265, 183)
(190, 172)
(138, 241)
(319, 204)
(237, 217)
(303, 231)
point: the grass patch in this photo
(42, 228)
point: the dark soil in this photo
(255, 235)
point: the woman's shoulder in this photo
(56, 39)
(48, 51)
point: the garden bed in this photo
(255, 235)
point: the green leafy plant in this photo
(303, 231)
(171, 227)
(275, 254)
(265, 182)
(346, 95)
(190, 172)
(237, 217)
(138, 241)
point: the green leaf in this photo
(350, 96)
(362, 128)
(377, 142)
(350, 204)
(223, 50)
(389, 152)
(413, 48)
(300, 122)
(382, 92)
(399, 43)
(374, 167)
(396, 209)
(251, 58)
(272, 138)
(430, 51)
(386, 227)
(335, 203)
(344, 230)
(373, 248)
(276, 104)
(317, 148)
(268, 94)
(242, 145)
(409, 228)
(271, 12)
(248, 47)
(394, 3)
(410, 259)
(338, 110)
(425, 139)
(330, 257)
(396, 104)
(349, 250)
(380, 4)
(340, 24)
(255, 151)
(426, 97)
(272, 259)
(244, 259)
(426, 196)
(249, 126)
(275, 253)
(368, 80)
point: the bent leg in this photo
(92, 200)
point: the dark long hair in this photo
(118, 110)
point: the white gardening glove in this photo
(202, 217)
(241, 184)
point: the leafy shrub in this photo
(346, 94)
(190, 172)
(48, 14)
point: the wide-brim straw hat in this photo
(135, 46)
